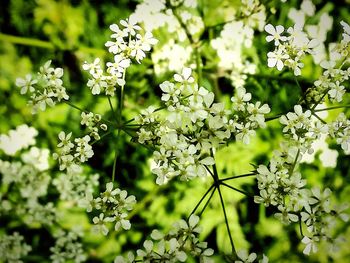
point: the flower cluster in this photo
(235, 37)
(25, 181)
(229, 46)
(93, 123)
(302, 128)
(319, 217)
(13, 248)
(340, 130)
(73, 186)
(282, 186)
(70, 155)
(334, 73)
(174, 52)
(67, 247)
(176, 246)
(45, 89)
(193, 125)
(113, 206)
(127, 44)
(20, 138)
(290, 49)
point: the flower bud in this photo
(103, 127)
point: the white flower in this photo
(170, 91)
(275, 34)
(185, 76)
(276, 58)
(100, 223)
(130, 25)
(119, 65)
(244, 257)
(308, 7)
(311, 245)
(240, 99)
(336, 91)
(346, 34)
(92, 67)
(147, 40)
(98, 83)
(18, 139)
(118, 34)
(26, 84)
(65, 143)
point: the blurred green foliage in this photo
(69, 26)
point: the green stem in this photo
(80, 109)
(294, 163)
(198, 64)
(236, 189)
(201, 200)
(280, 78)
(25, 41)
(102, 136)
(333, 108)
(300, 226)
(121, 101)
(226, 220)
(111, 106)
(148, 198)
(217, 184)
(321, 120)
(238, 176)
(273, 117)
(114, 165)
(318, 102)
(74, 106)
(207, 202)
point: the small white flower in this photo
(311, 245)
(185, 76)
(275, 34)
(277, 59)
(26, 84)
(130, 25)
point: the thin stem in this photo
(217, 184)
(207, 202)
(80, 109)
(201, 200)
(294, 163)
(121, 101)
(114, 164)
(102, 136)
(226, 220)
(318, 117)
(318, 102)
(111, 106)
(238, 176)
(300, 226)
(273, 117)
(333, 108)
(149, 197)
(45, 44)
(74, 106)
(280, 78)
(198, 64)
(236, 189)
(182, 24)
(297, 82)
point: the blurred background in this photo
(71, 32)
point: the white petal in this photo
(270, 29)
(279, 29)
